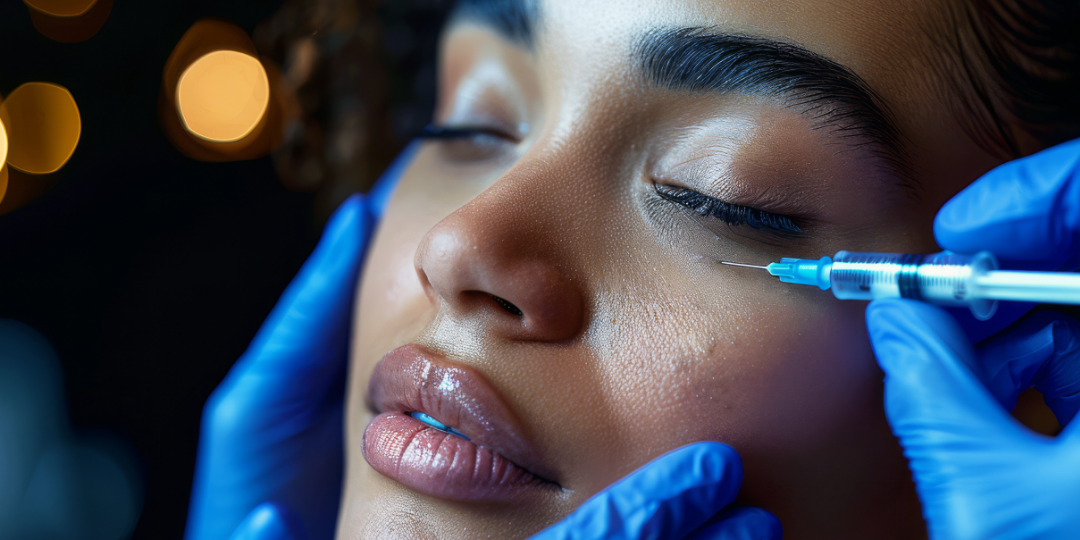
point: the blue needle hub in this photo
(803, 271)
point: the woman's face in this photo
(544, 280)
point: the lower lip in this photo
(441, 465)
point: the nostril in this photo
(507, 306)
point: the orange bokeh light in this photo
(44, 125)
(222, 96)
(221, 101)
(3, 144)
(62, 8)
(69, 21)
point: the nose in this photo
(493, 266)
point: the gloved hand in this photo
(978, 472)
(272, 431)
(683, 494)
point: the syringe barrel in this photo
(944, 278)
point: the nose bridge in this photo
(512, 255)
(532, 204)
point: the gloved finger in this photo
(300, 348)
(1041, 351)
(667, 498)
(932, 397)
(740, 523)
(269, 521)
(1028, 209)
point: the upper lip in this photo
(412, 378)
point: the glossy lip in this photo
(498, 464)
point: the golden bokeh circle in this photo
(62, 8)
(222, 96)
(44, 127)
(3, 144)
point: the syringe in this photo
(944, 278)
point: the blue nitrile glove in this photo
(683, 494)
(269, 521)
(979, 473)
(272, 431)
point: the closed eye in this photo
(433, 131)
(732, 214)
(470, 144)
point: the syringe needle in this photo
(744, 265)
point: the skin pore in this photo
(632, 339)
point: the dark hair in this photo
(1016, 71)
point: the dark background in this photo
(148, 271)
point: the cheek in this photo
(391, 301)
(390, 294)
(808, 376)
(390, 280)
(789, 376)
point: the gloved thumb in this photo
(270, 521)
(1027, 209)
(669, 497)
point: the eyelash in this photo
(732, 214)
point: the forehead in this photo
(857, 33)
(886, 43)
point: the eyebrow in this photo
(695, 59)
(515, 20)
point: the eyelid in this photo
(486, 97)
(790, 196)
